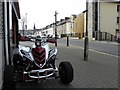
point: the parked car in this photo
(32, 39)
(118, 38)
(58, 36)
(44, 38)
(24, 38)
(49, 36)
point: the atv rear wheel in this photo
(66, 72)
(8, 78)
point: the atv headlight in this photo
(38, 43)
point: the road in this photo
(101, 46)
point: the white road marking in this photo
(97, 51)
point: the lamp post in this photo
(26, 21)
(56, 27)
(86, 43)
(98, 4)
(23, 28)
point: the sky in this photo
(41, 12)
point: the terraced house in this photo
(78, 25)
(103, 20)
(64, 27)
(9, 15)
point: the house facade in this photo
(110, 21)
(72, 26)
(30, 32)
(63, 27)
(78, 26)
(9, 15)
(49, 30)
(103, 20)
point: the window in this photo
(76, 25)
(118, 19)
(118, 8)
(117, 30)
(71, 25)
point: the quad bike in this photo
(38, 63)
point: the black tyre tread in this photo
(69, 72)
(8, 78)
(15, 58)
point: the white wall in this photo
(50, 31)
(90, 20)
(68, 28)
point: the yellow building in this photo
(78, 26)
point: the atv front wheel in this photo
(17, 60)
(66, 72)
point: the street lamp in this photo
(23, 27)
(56, 27)
(24, 23)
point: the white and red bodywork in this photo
(39, 59)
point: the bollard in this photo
(67, 40)
(86, 49)
(79, 35)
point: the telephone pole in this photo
(56, 27)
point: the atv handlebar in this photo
(39, 42)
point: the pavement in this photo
(109, 42)
(100, 71)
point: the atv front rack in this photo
(41, 73)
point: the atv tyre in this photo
(17, 60)
(66, 72)
(8, 78)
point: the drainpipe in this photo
(119, 16)
(98, 20)
(5, 32)
(56, 27)
(8, 32)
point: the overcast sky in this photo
(41, 12)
